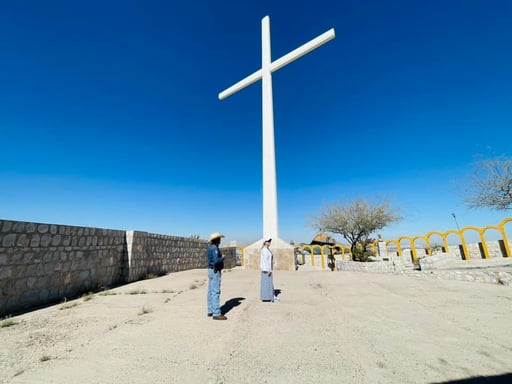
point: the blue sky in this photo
(109, 115)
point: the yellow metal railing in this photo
(461, 234)
(332, 248)
(412, 243)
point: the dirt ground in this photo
(330, 327)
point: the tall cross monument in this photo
(270, 227)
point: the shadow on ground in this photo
(230, 304)
(498, 379)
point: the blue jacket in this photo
(214, 255)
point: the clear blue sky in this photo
(109, 115)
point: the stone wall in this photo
(380, 265)
(45, 263)
(42, 263)
(492, 277)
(356, 266)
(437, 260)
(496, 248)
(155, 254)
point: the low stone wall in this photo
(397, 266)
(437, 260)
(356, 266)
(44, 263)
(495, 248)
(492, 277)
(379, 265)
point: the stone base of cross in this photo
(284, 255)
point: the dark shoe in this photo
(210, 314)
(220, 317)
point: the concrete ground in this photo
(330, 327)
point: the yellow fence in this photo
(328, 250)
(412, 243)
(325, 250)
(461, 235)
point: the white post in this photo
(269, 158)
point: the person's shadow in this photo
(230, 304)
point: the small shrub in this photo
(67, 306)
(193, 286)
(44, 358)
(7, 323)
(88, 296)
(361, 253)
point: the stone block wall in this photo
(150, 253)
(42, 263)
(496, 248)
(437, 260)
(356, 266)
(491, 277)
(45, 263)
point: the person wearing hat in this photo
(267, 278)
(215, 265)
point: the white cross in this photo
(270, 229)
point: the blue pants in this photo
(214, 292)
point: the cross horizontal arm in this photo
(303, 50)
(241, 84)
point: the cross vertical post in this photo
(270, 225)
(270, 222)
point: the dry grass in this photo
(137, 291)
(88, 296)
(7, 323)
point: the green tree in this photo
(490, 185)
(356, 221)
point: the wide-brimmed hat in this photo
(216, 235)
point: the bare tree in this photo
(356, 221)
(490, 185)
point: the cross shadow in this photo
(230, 304)
(498, 379)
